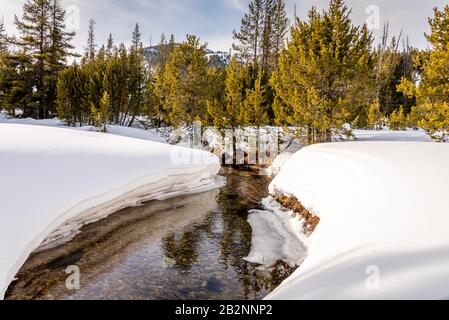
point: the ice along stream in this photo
(189, 247)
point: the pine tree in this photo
(390, 66)
(136, 44)
(91, 45)
(255, 105)
(184, 84)
(162, 53)
(110, 47)
(234, 95)
(398, 120)
(72, 102)
(3, 67)
(42, 36)
(59, 51)
(432, 93)
(137, 78)
(100, 116)
(375, 116)
(323, 78)
(267, 32)
(262, 34)
(215, 101)
(171, 44)
(3, 38)
(250, 34)
(279, 29)
(34, 28)
(439, 25)
(116, 70)
(274, 32)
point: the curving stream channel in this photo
(189, 247)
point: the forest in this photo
(320, 77)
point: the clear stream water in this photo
(189, 247)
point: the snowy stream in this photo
(189, 247)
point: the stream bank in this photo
(189, 247)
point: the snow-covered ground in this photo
(151, 134)
(382, 201)
(55, 180)
(288, 148)
(388, 135)
(384, 211)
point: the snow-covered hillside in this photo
(384, 211)
(54, 180)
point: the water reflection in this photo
(190, 247)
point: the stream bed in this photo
(190, 247)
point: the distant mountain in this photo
(219, 59)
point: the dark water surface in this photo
(189, 247)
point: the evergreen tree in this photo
(3, 38)
(117, 71)
(137, 78)
(162, 53)
(439, 26)
(101, 115)
(184, 84)
(390, 66)
(3, 66)
(250, 34)
(267, 32)
(110, 46)
(234, 95)
(255, 105)
(398, 120)
(262, 34)
(59, 51)
(279, 29)
(215, 104)
(323, 79)
(172, 41)
(34, 28)
(16, 86)
(375, 116)
(43, 38)
(136, 44)
(91, 45)
(72, 102)
(432, 93)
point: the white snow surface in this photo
(389, 135)
(151, 134)
(275, 235)
(277, 164)
(53, 181)
(384, 210)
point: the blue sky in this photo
(214, 20)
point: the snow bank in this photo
(137, 133)
(388, 135)
(55, 180)
(384, 211)
(55, 122)
(277, 164)
(275, 236)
